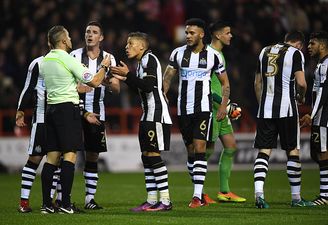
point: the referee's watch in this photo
(104, 67)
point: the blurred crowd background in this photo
(255, 23)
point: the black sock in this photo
(46, 179)
(66, 179)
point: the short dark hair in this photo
(196, 22)
(54, 35)
(294, 36)
(322, 37)
(218, 25)
(97, 24)
(140, 35)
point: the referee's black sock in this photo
(46, 179)
(66, 179)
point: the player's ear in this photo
(142, 45)
(217, 36)
(202, 34)
(101, 38)
(50, 45)
(321, 46)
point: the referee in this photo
(61, 73)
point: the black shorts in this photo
(267, 132)
(319, 139)
(195, 126)
(94, 137)
(37, 140)
(63, 128)
(154, 136)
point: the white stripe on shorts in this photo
(32, 139)
(160, 136)
(323, 139)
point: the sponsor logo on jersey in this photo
(192, 73)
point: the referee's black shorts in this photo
(63, 128)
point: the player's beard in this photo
(193, 46)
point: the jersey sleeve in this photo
(150, 65)
(146, 84)
(26, 98)
(298, 62)
(173, 59)
(79, 71)
(322, 95)
(219, 67)
(258, 67)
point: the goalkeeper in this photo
(221, 36)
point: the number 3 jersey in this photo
(277, 65)
(320, 94)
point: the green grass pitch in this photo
(118, 192)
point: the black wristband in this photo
(104, 67)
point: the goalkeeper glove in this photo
(233, 111)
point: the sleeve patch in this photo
(87, 77)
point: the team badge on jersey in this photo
(38, 149)
(202, 61)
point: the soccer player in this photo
(93, 102)
(194, 63)
(61, 74)
(221, 36)
(155, 122)
(318, 48)
(32, 96)
(279, 66)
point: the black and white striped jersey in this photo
(277, 65)
(320, 94)
(154, 105)
(94, 100)
(195, 71)
(33, 94)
